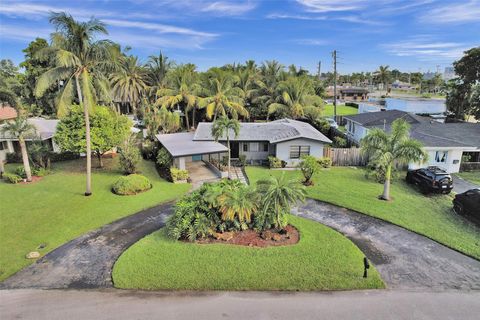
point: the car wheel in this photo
(458, 208)
(409, 179)
(424, 189)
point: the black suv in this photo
(468, 204)
(431, 179)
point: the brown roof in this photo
(7, 113)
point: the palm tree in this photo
(79, 58)
(397, 146)
(129, 82)
(224, 127)
(278, 194)
(383, 74)
(222, 97)
(157, 68)
(296, 95)
(20, 128)
(239, 202)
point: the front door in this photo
(234, 149)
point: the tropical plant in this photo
(397, 146)
(131, 184)
(164, 159)
(129, 155)
(383, 75)
(78, 62)
(240, 203)
(20, 129)
(309, 166)
(278, 194)
(224, 127)
(157, 68)
(161, 120)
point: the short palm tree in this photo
(20, 128)
(224, 127)
(383, 74)
(240, 202)
(79, 59)
(278, 194)
(386, 148)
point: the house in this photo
(285, 139)
(44, 131)
(349, 93)
(7, 113)
(451, 146)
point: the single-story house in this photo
(349, 93)
(449, 145)
(44, 131)
(285, 139)
(7, 113)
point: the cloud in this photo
(312, 42)
(295, 16)
(229, 8)
(15, 32)
(426, 48)
(454, 13)
(352, 19)
(332, 5)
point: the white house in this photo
(44, 131)
(285, 139)
(447, 144)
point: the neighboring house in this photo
(285, 139)
(349, 93)
(44, 131)
(447, 144)
(7, 113)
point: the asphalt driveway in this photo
(461, 185)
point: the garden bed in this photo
(252, 238)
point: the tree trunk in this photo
(193, 117)
(228, 145)
(186, 119)
(386, 185)
(88, 189)
(100, 159)
(26, 163)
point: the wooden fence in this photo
(346, 156)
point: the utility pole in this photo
(335, 84)
(319, 69)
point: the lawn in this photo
(472, 176)
(322, 260)
(342, 110)
(54, 210)
(431, 216)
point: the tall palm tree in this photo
(386, 148)
(278, 194)
(222, 96)
(224, 127)
(129, 82)
(383, 75)
(20, 128)
(239, 202)
(79, 59)
(295, 95)
(157, 68)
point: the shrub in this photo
(129, 156)
(64, 156)
(13, 157)
(274, 162)
(164, 160)
(178, 174)
(148, 150)
(243, 159)
(224, 161)
(325, 162)
(40, 172)
(131, 184)
(309, 167)
(12, 178)
(377, 172)
(20, 171)
(339, 142)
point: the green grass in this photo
(342, 110)
(431, 216)
(54, 210)
(472, 176)
(322, 260)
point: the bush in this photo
(12, 178)
(377, 172)
(274, 162)
(40, 172)
(339, 142)
(164, 160)
(148, 150)
(13, 157)
(309, 167)
(178, 174)
(129, 156)
(325, 162)
(243, 159)
(64, 156)
(131, 184)
(20, 171)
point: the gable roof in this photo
(273, 132)
(7, 113)
(379, 118)
(44, 129)
(182, 144)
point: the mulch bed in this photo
(34, 180)
(252, 238)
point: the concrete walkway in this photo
(200, 173)
(87, 262)
(404, 259)
(120, 304)
(461, 185)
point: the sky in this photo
(416, 35)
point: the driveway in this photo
(87, 262)
(461, 185)
(404, 259)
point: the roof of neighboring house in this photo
(182, 144)
(7, 113)
(273, 132)
(353, 90)
(44, 129)
(379, 118)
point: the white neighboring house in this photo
(445, 143)
(44, 131)
(285, 139)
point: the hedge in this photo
(131, 184)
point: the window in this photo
(297, 152)
(351, 127)
(441, 156)
(265, 147)
(245, 147)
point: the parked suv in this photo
(468, 204)
(431, 179)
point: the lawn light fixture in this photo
(366, 266)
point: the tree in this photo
(20, 129)
(157, 68)
(78, 62)
(309, 166)
(278, 194)
(161, 120)
(383, 75)
(108, 130)
(397, 146)
(224, 127)
(239, 202)
(129, 155)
